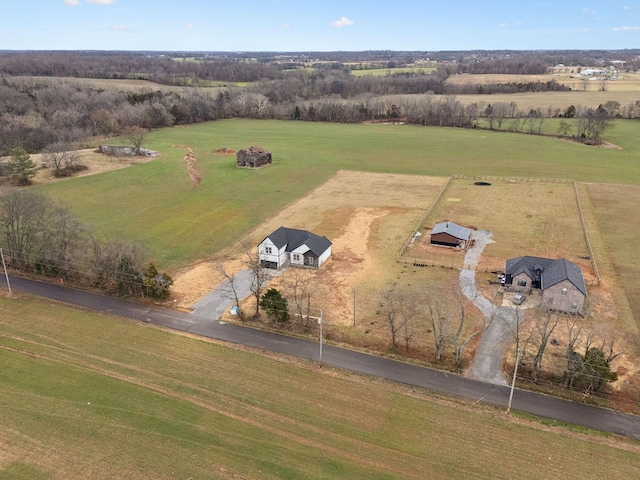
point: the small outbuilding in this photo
(450, 234)
(253, 157)
(290, 246)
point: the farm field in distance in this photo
(163, 405)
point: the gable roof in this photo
(529, 265)
(560, 270)
(547, 270)
(452, 229)
(292, 238)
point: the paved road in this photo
(536, 404)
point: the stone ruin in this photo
(253, 157)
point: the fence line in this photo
(586, 234)
(496, 178)
(424, 217)
(453, 265)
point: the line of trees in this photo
(587, 353)
(42, 237)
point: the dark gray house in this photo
(560, 281)
(450, 234)
(290, 246)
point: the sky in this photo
(318, 25)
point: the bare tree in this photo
(584, 81)
(230, 289)
(259, 274)
(136, 136)
(544, 325)
(62, 157)
(391, 306)
(302, 287)
(439, 326)
(458, 339)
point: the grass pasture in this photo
(526, 218)
(156, 203)
(163, 405)
(391, 71)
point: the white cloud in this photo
(503, 25)
(101, 2)
(120, 28)
(627, 7)
(73, 3)
(585, 30)
(285, 26)
(189, 25)
(589, 10)
(626, 29)
(343, 22)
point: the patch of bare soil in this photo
(90, 158)
(190, 161)
(367, 216)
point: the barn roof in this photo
(292, 238)
(453, 229)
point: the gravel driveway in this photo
(488, 361)
(215, 303)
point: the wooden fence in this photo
(422, 220)
(592, 256)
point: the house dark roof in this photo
(532, 266)
(547, 271)
(293, 238)
(453, 229)
(560, 270)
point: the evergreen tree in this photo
(22, 167)
(275, 305)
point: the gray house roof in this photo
(293, 238)
(532, 266)
(546, 270)
(453, 229)
(560, 270)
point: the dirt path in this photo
(190, 161)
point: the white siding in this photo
(277, 256)
(324, 256)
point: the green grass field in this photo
(162, 405)
(180, 223)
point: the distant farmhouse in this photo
(253, 157)
(560, 281)
(290, 246)
(450, 234)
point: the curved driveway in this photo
(536, 404)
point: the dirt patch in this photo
(90, 158)
(367, 216)
(190, 161)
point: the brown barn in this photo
(450, 234)
(253, 157)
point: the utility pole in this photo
(4, 265)
(513, 380)
(354, 306)
(320, 322)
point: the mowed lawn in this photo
(161, 405)
(179, 223)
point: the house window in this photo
(564, 291)
(267, 250)
(296, 257)
(574, 305)
(522, 283)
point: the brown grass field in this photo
(370, 216)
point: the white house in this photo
(290, 246)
